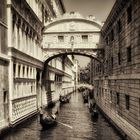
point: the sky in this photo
(98, 8)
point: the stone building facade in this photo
(4, 62)
(117, 77)
(60, 78)
(25, 21)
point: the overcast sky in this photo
(98, 8)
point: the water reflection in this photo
(75, 124)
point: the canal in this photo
(75, 123)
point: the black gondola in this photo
(64, 99)
(94, 114)
(85, 98)
(47, 121)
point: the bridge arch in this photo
(49, 58)
(63, 20)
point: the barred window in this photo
(14, 69)
(119, 26)
(112, 62)
(129, 54)
(112, 35)
(119, 58)
(85, 38)
(129, 14)
(118, 98)
(61, 38)
(19, 68)
(127, 101)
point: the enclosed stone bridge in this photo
(72, 34)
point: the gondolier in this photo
(47, 120)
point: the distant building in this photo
(60, 78)
(117, 78)
(4, 62)
(76, 72)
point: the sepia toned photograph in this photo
(69, 69)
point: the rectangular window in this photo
(112, 35)
(61, 38)
(19, 71)
(118, 98)
(23, 71)
(119, 26)
(2, 9)
(129, 54)
(111, 62)
(14, 69)
(111, 96)
(97, 93)
(129, 14)
(127, 102)
(46, 16)
(119, 58)
(85, 38)
(31, 89)
(5, 96)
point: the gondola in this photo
(94, 113)
(47, 121)
(85, 98)
(64, 99)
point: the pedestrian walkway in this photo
(74, 123)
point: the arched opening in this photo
(58, 80)
(71, 53)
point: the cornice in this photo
(57, 71)
(61, 20)
(25, 58)
(71, 32)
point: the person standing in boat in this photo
(92, 103)
(41, 114)
(41, 111)
(90, 99)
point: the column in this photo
(16, 73)
(11, 90)
(24, 41)
(14, 36)
(20, 39)
(21, 70)
(25, 73)
(29, 73)
(32, 46)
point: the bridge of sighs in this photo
(72, 34)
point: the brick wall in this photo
(120, 74)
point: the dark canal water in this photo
(75, 123)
